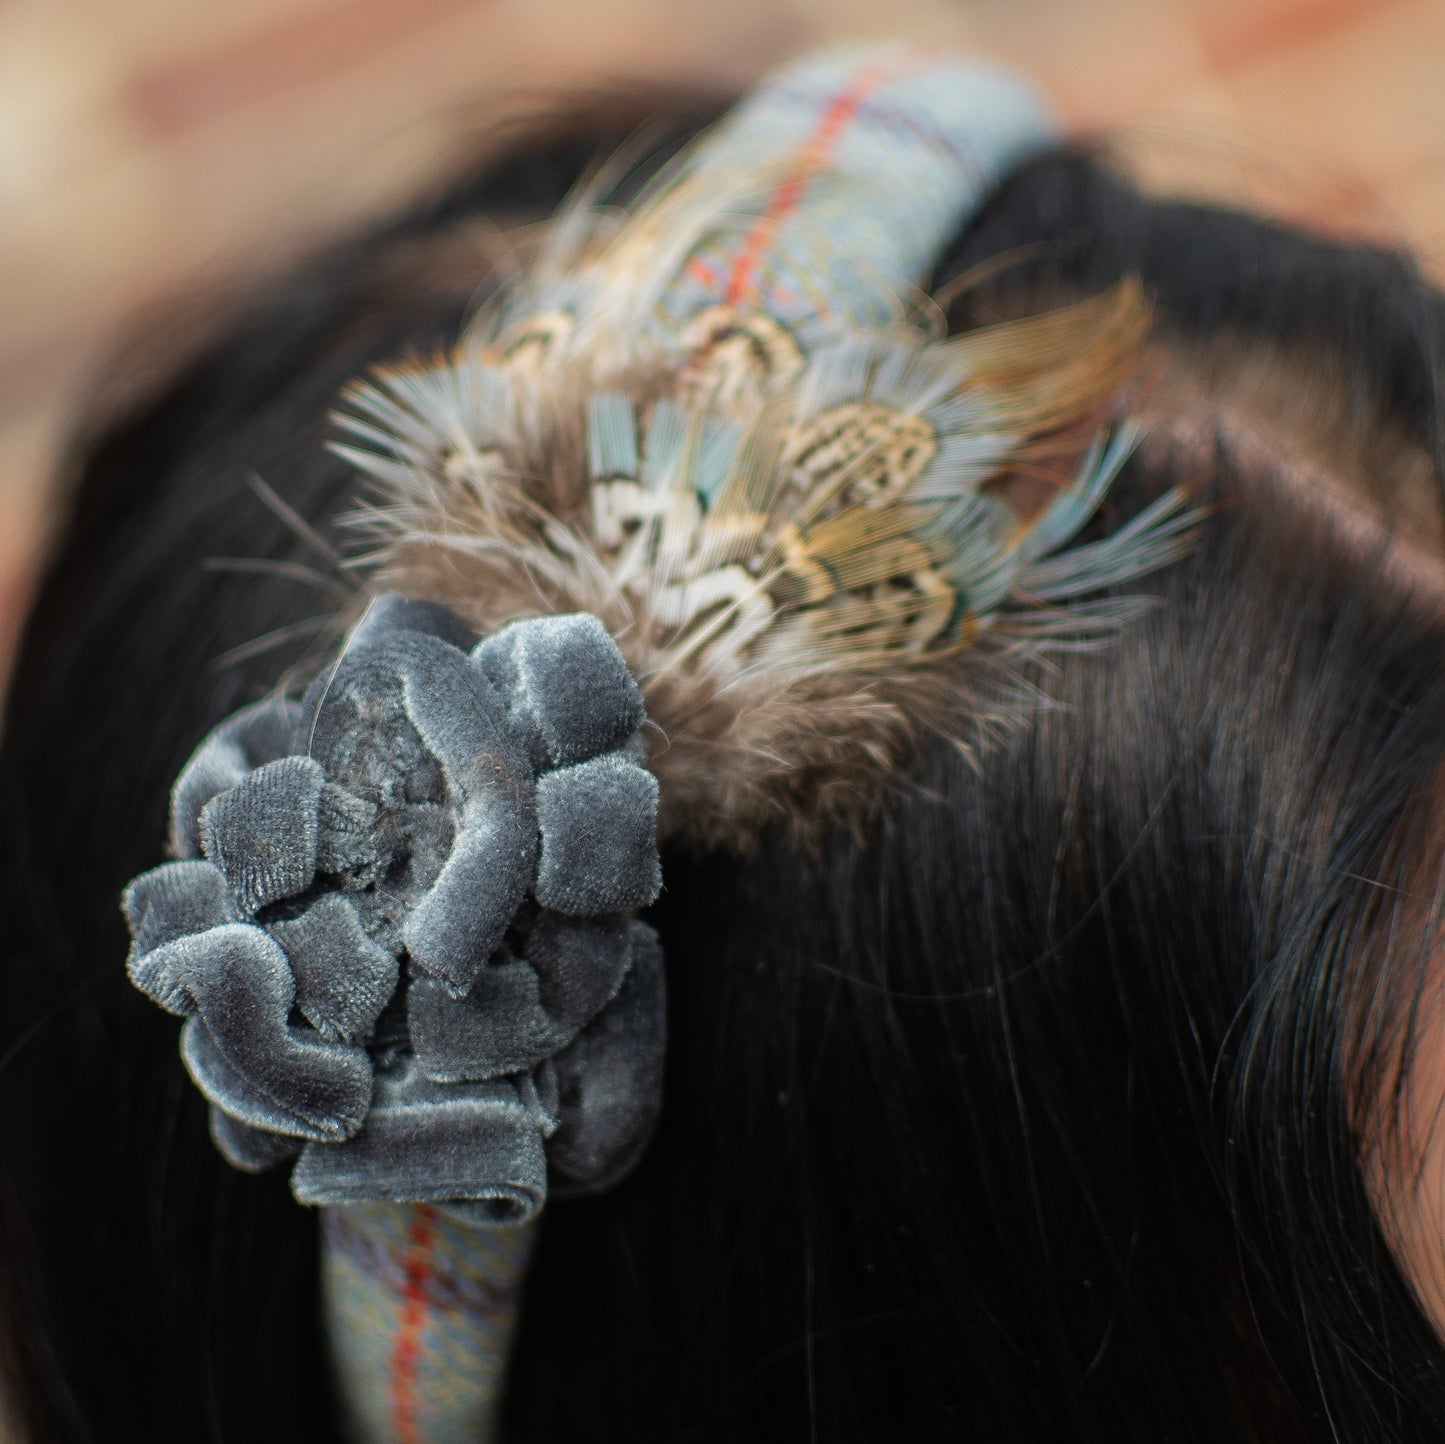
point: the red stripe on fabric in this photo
(421, 1237)
(699, 270)
(841, 111)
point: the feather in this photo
(791, 503)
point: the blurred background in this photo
(155, 150)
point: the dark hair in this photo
(1032, 1113)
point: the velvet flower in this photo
(399, 919)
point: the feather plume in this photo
(802, 533)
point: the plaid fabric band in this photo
(873, 158)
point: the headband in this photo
(706, 460)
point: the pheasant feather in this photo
(722, 423)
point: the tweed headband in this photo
(707, 460)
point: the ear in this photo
(1397, 1071)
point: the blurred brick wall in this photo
(151, 145)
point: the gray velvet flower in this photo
(398, 923)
